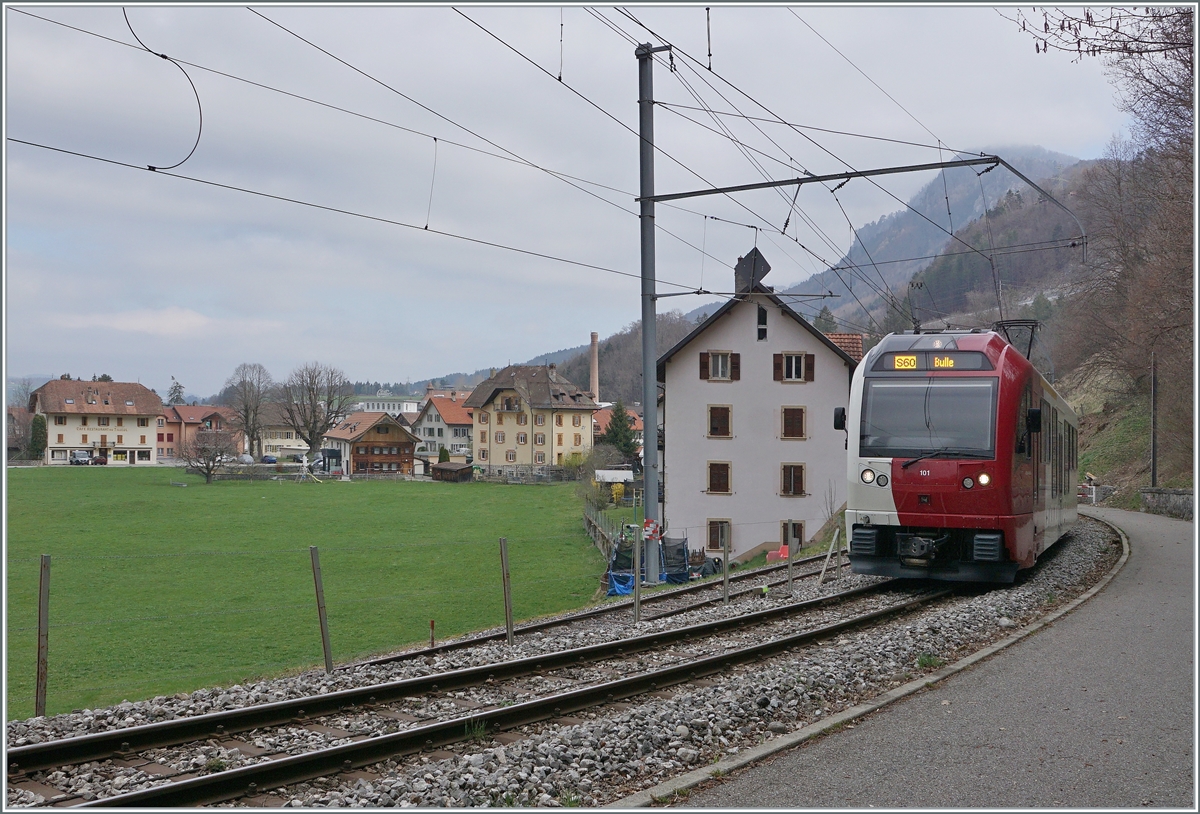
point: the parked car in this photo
(79, 457)
(99, 460)
(270, 459)
(245, 459)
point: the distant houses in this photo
(179, 424)
(372, 443)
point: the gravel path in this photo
(607, 753)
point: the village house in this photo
(443, 423)
(384, 401)
(179, 424)
(116, 420)
(372, 443)
(747, 414)
(278, 437)
(527, 417)
(602, 416)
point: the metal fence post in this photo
(725, 569)
(787, 537)
(43, 640)
(504, 577)
(637, 578)
(316, 567)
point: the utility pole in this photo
(645, 56)
(1153, 420)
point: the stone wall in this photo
(1171, 502)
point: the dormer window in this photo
(69, 401)
(128, 403)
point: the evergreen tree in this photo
(824, 321)
(443, 455)
(37, 439)
(175, 394)
(619, 433)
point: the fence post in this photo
(725, 568)
(43, 640)
(508, 614)
(787, 536)
(637, 578)
(832, 545)
(316, 567)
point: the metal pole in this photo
(1153, 420)
(316, 566)
(43, 640)
(787, 536)
(725, 567)
(508, 614)
(650, 470)
(637, 577)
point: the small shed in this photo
(453, 472)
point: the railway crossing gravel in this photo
(607, 753)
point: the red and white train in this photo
(964, 463)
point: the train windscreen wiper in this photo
(953, 453)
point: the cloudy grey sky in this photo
(146, 276)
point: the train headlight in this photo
(881, 480)
(867, 475)
(968, 483)
(984, 479)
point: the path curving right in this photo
(1095, 709)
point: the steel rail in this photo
(118, 742)
(462, 644)
(227, 785)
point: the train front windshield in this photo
(912, 417)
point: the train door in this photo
(1024, 469)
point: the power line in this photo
(512, 157)
(348, 212)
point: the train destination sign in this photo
(933, 360)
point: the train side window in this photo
(1024, 442)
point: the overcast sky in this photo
(112, 269)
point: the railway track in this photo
(666, 597)
(396, 701)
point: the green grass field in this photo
(157, 589)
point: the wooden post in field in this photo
(787, 538)
(431, 639)
(504, 578)
(316, 567)
(43, 640)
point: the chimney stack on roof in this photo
(595, 366)
(750, 271)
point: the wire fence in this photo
(140, 625)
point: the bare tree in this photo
(20, 431)
(1148, 51)
(209, 450)
(248, 389)
(315, 398)
(19, 391)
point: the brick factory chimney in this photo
(595, 366)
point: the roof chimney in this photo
(749, 271)
(595, 366)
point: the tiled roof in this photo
(407, 419)
(357, 425)
(451, 411)
(195, 414)
(602, 417)
(850, 343)
(95, 398)
(537, 385)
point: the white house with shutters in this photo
(747, 423)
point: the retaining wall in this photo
(1171, 502)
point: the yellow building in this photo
(526, 418)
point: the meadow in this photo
(157, 589)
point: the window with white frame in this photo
(719, 534)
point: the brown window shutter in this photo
(800, 422)
(793, 422)
(714, 534)
(735, 366)
(718, 477)
(703, 365)
(777, 367)
(800, 480)
(809, 364)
